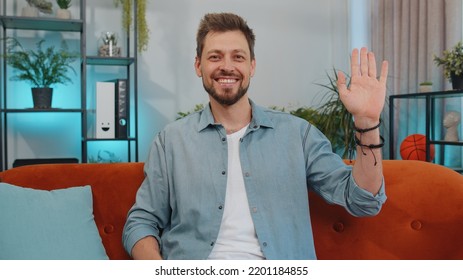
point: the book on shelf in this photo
(122, 102)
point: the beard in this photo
(228, 97)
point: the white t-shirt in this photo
(237, 236)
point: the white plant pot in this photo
(63, 14)
(425, 88)
(29, 11)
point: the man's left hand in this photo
(366, 94)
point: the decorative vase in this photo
(108, 45)
(29, 11)
(457, 81)
(63, 14)
(42, 97)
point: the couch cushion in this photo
(114, 186)
(40, 224)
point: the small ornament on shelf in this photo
(451, 121)
(36, 6)
(109, 46)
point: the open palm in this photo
(366, 94)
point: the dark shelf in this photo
(51, 110)
(112, 61)
(436, 94)
(109, 139)
(40, 23)
(442, 142)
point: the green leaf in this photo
(40, 67)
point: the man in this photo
(231, 181)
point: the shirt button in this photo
(255, 126)
(212, 243)
(247, 174)
(264, 244)
(220, 207)
(224, 139)
(223, 172)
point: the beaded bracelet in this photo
(363, 130)
(370, 146)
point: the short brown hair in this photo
(221, 22)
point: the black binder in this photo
(122, 115)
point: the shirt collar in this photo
(259, 117)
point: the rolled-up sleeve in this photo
(361, 202)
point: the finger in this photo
(341, 83)
(384, 70)
(371, 65)
(363, 61)
(354, 64)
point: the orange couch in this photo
(422, 218)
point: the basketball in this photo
(413, 147)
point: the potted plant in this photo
(425, 86)
(36, 6)
(334, 120)
(63, 11)
(41, 67)
(452, 61)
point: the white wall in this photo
(297, 42)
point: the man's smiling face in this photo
(225, 66)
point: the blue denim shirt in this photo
(181, 200)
